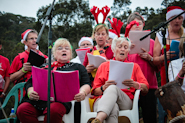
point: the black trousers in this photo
(148, 104)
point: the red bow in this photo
(58, 64)
(129, 26)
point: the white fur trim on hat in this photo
(112, 35)
(174, 12)
(26, 47)
(85, 39)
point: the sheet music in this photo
(120, 71)
(66, 84)
(81, 53)
(96, 60)
(135, 36)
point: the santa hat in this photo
(85, 39)
(174, 10)
(112, 33)
(25, 34)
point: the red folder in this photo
(64, 84)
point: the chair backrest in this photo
(15, 92)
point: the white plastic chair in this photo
(67, 118)
(132, 114)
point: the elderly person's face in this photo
(121, 50)
(31, 41)
(101, 36)
(63, 53)
(137, 28)
(86, 44)
(176, 23)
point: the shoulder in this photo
(4, 58)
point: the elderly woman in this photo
(121, 99)
(31, 107)
(100, 35)
(145, 61)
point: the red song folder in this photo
(64, 84)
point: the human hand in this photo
(170, 54)
(145, 55)
(2, 96)
(132, 45)
(33, 95)
(108, 83)
(131, 83)
(183, 67)
(80, 96)
(90, 68)
(27, 66)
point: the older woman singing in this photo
(113, 98)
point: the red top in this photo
(107, 51)
(102, 76)
(162, 71)
(17, 64)
(4, 68)
(148, 70)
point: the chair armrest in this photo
(136, 98)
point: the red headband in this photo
(96, 11)
(116, 25)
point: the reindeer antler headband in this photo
(96, 11)
(116, 25)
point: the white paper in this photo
(81, 53)
(135, 36)
(95, 60)
(120, 71)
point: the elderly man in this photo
(85, 42)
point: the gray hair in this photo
(134, 16)
(120, 39)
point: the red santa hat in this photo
(112, 33)
(174, 10)
(24, 35)
(85, 39)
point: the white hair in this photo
(120, 39)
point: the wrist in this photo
(180, 76)
(139, 86)
(29, 94)
(102, 88)
(83, 91)
(3, 94)
(24, 70)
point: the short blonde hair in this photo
(120, 39)
(181, 48)
(99, 27)
(61, 42)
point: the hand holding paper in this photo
(81, 53)
(95, 60)
(135, 36)
(120, 71)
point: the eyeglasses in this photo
(32, 38)
(63, 48)
(86, 44)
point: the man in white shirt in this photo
(85, 42)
